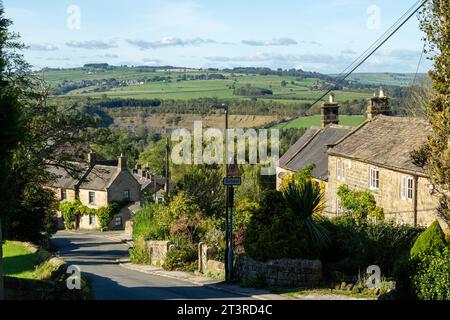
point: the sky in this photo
(322, 35)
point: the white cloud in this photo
(170, 42)
(42, 47)
(92, 44)
(273, 42)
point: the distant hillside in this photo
(386, 79)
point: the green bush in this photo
(69, 214)
(432, 279)
(276, 232)
(361, 204)
(181, 258)
(139, 253)
(355, 245)
(145, 225)
(432, 240)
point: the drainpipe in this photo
(416, 184)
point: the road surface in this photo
(96, 256)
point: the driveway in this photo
(96, 256)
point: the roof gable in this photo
(312, 149)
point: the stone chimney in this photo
(330, 112)
(122, 163)
(92, 159)
(378, 104)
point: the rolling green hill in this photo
(183, 84)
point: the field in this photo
(307, 122)
(386, 79)
(294, 90)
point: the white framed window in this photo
(340, 170)
(407, 188)
(64, 195)
(92, 219)
(118, 221)
(374, 179)
(91, 197)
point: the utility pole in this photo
(229, 196)
(167, 167)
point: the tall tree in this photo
(34, 135)
(10, 124)
(435, 156)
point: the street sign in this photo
(232, 181)
(233, 170)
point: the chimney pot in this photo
(378, 105)
(330, 112)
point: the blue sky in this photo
(321, 35)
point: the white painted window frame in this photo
(373, 178)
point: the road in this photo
(96, 256)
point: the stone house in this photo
(101, 183)
(312, 147)
(376, 156)
(152, 186)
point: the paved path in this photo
(97, 255)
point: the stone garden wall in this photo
(206, 264)
(280, 273)
(157, 251)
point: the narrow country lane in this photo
(96, 256)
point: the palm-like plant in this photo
(306, 200)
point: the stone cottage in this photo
(377, 157)
(101, 183)
(153, 187)
(312, 147)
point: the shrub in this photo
(146, 226)
(360, 205)
(269, 236)
(387, 242)
(180, 258)
(432, 280)
(139, 253)
(356, 245)
(430, 241)
(105, 215)
(69, 214)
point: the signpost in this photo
(232, 181)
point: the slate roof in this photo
(64, 180)
(386, 141)
(100, 177)
(150, 185)
(312, 148)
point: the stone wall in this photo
(206, 264)
(124, 181)
(157, 251)
(388, 196)
(285, 273)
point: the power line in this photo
(375, 47)
(418, 65)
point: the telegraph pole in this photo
(167, 167)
